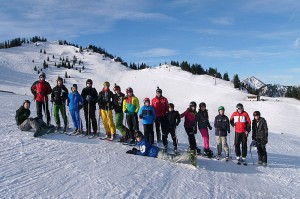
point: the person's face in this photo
(221, 112)
(42, 78)
(170, 109)
(105, 87)
(129, 93)
(59, 83)
(192, 108)
(256, 117)
(89, 84)
(74, 89)
(203, 108)
(158, 94)
(240, 110)
(26, 105)
(117, 91)
(139, 139)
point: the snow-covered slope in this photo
(60, 166)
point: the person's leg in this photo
(26, 125)
(56, 114)
(244, 145)
(39, 109)
(205, 136)
(111, 123)
(225, 146)
(157, 128)
(219, 144)
(103, 116)
(93, 118)
(237, 143)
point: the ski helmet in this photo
(146, 99)
(256, 113)
(239, 106)
(26, 101)
(139, 134)
(171, 105)
(158, 90)
(202, 104)
(42, 75)
(89, 81)
(106, 84)
(117, 88)
(129, 90)
(221, 108)
(193, 104)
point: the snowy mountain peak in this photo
(254, 82)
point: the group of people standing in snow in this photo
(158, 112)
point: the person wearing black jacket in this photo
(173, 120)
(25, 123)
(118, 98)
(222, 127)
(105, 101)
(260, 136)
(58, 97)
(90, 97)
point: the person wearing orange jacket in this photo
(40, 90)
(242, 123)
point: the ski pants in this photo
(108, 121)
(119, 123)
(191, 137)
(240, 138)
(149, 133)
(205, 137)
(39, 111)
(62, 109)
(173, 136)
(133, 124)
(31, 123)
(222, 142)
(92, 115)
(76, 119)
(261, 151)
(163, 123)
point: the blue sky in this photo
(250, 38)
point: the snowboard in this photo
(193, 157)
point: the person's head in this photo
(26, 104)
(139, 136)
(42, 76)
(59, 81)
(129, 91)
(158, 92)
(221, 110)
(202, 106)
(147, 101)
(74, 88)
(89, 83)
(192, 106)
(106, 86)
(240, 107)
(256, 115)
(171, 107)
(117, 89)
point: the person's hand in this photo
(209, 127)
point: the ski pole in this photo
(99, 122)
(89, 122)
(229, 146)
(251, 153)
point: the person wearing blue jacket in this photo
(143, 147)
(75, 103)
(147, 113)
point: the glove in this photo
(134, 150)
(129, 152)
(79, 106)
(228, 131)
(209, 127)
(88, 98)
(126, 111)
(253, 143)
(140, 116)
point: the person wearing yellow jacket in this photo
(106, 105)
(131, 107)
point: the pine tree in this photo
(236, 81)
(226, 77)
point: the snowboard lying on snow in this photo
(44, 131)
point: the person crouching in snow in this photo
(147, 114)
(222, 127)
(75, 103)
(260, 137)
(25, 123)
(143, 147)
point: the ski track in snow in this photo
(62, 166)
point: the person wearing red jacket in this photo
(160, 104)
(242, 123)
(40, 90)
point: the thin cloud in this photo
(155, 52)
(222, 20)
(297, 42)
